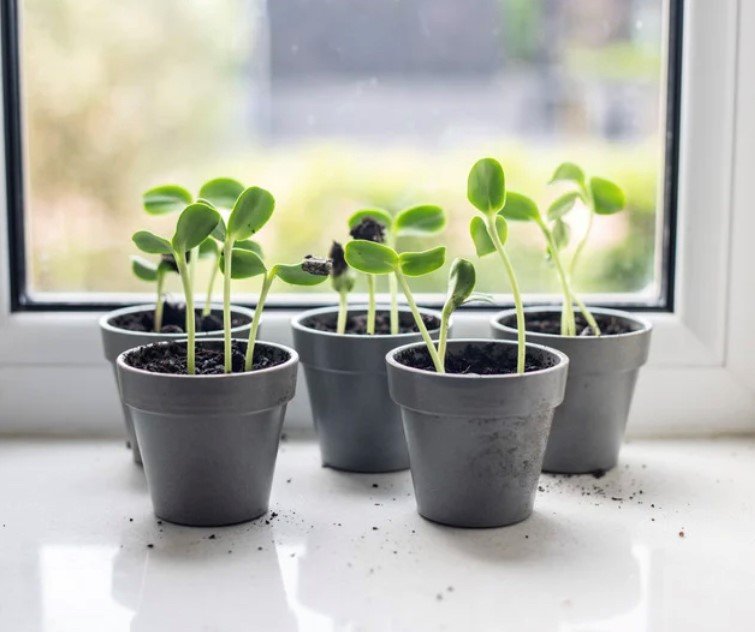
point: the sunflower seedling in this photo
(600, 196)
(245, 264)
(343, 282)
(379, 259)
(461, 281)
(195, 223)
(486, 190)
(518, 207)
(250, 211)
(416, 221)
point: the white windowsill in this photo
(343, 554)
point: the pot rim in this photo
(105, 322)
(292, 360)
(645, 325)
(563, 361)
(296, 322)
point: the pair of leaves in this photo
(172, 198)
(374, 258)
(486, 190)
(607, 197)
(247, 263)
(194, 225)
(417, 221)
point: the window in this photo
(335, 105)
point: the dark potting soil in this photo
(171, 358)
(356, 322)
(550, 323)
(174, 320)
(485, 359)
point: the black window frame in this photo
(22, 301)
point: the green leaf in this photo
(208, 248)
(461, 282)
(607, 196)
(568, 171)
(250, 213)
(195, 224)
(420, 220)
(563, 205)
(376, 214)
(560, 234)
(244, 264)
(166, 198)
(221, 192)
(479, 232)
(486, 186)
(519, 208)
(143, 269)
(294, 274)
(248, 244)
(416, 264)
(219, 231)
(151, 243)
(370, 257)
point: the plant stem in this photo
(439, 367)
(193, 266)
(393, 289)
(518, 304)
(445, 321)
(581, 245)
(214, 273)
(160, 301)
(249, 358)
(371, 304)
(183, 272)
(343, 310)
(568, 326)
(588, 316)
(228, 257)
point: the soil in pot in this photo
(174, 320)
(171, 358)
(487, 359)
(356, 323)
(550, 323)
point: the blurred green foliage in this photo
(122, 96)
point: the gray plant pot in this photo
(588, 427)
(209, 442)
(358, 425)
(476, 442)
(115, 341)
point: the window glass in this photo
(335, 105)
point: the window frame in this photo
(700, 379)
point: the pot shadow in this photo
(225, 578)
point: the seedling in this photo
(417, 221)
(486, 190)
(379, 259)
(600, 196)
(461, 281)
(244, 264)
(194, 225)
(519, 207)
(154, 273)
(343, 283)
(219, 193)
